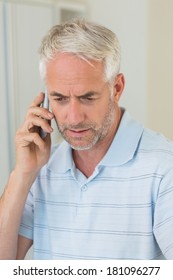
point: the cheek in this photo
(105, 109)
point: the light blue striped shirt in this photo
(123, 211)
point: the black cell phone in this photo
(45, 104)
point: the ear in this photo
(119, 84)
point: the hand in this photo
(32, 152)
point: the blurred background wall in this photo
(144, 28)
(160, 67)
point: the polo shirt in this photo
(124, 210)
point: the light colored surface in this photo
(160, 67)
(4, 149)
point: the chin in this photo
(80, 148)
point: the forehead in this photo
(70, 69)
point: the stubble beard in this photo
(97, 135)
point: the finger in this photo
(40, 112)
(35, 121)
(38, 100)
(24, 139)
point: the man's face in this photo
(80, 99)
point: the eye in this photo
(61, 99)
(87, 98)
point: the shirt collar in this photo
(121, 150)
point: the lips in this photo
(77, 133)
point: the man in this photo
(105, 192)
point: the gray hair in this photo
(84, 39)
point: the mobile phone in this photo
(45, 104)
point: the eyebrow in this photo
(54, 93)
(85, 95)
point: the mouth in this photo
(77, 133)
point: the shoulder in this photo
(156, 146)
(154, 141)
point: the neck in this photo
(87, 160)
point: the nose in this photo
(75, 114)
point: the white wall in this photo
(4, 147)
(160, 67)
(21, 28)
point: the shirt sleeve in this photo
(26, 226)
(163, 216)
